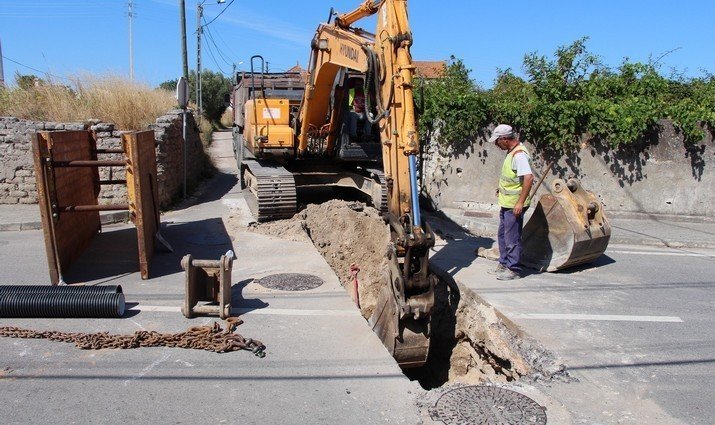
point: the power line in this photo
(35, 69)
(214, 58)
(220, 13)
(228, 47)
(218, 50)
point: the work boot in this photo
(508, 274)
(498, 269)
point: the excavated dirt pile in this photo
(471, 342)
(344, 233)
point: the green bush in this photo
(453, 105)
(568, 97)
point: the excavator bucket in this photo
(403, 327)
(568, 228)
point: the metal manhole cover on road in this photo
(290, 281)
(487, 405)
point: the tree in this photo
(26, 82)
(453, 105)
(213, 88)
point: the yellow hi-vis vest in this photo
(509, 182)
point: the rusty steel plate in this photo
(290, 281)
(487, 405)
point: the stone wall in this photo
(659, 175)
(17, 173)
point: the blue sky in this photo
(73, 37)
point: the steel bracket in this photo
(207, 280)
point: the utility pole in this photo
(131, 48)
(2, 74)
(199, 30)
(184, 57)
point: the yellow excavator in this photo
(302, 130)
(284, 145)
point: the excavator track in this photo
(271, 191)
(380, 175)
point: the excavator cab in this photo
(359, 138)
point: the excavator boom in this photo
(402, 314)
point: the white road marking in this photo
(138, 324)
(295, 312)
(595, 317)
(263, 311)
(669, 253)
(167, 308)
(149, 368)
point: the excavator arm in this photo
(402, 315)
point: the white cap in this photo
(502, 130)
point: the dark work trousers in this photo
(510, 238)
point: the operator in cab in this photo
(515, 184)
(358, 124)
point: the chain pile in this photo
(209, 338)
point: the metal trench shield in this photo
(68, 185)
(568, 227)
(66, 235)
(143, 193)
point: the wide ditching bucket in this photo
(568, 228)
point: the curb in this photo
(104, 218)
(481, 229)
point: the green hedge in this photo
(564, 98)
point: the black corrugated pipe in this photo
(47, 289)
(64, 305)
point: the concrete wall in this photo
(17, 174)
(660, 175)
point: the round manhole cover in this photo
(487, 405)
(290, 281)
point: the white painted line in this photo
(595, 317)
(295, 312)
(168, 308)
(674, 254)
(148, 369)
(263, 311)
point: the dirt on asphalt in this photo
(471, 342)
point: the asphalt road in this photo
(637, 328)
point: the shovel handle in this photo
(545, 170)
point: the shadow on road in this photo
(113, 253)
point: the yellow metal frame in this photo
(337, 46)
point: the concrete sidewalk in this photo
(324, 365)
(27, 217)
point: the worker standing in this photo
(514, 186)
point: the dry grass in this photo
(206, 127)
(129, 105)
(227, 118)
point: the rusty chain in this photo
(209, 338)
